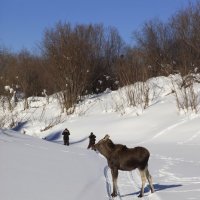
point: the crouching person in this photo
(66, 134)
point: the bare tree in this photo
(186, 95)
(80, 57)
(185, 27)
(68, 55)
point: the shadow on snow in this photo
(54, 137)
(19, 126)
(78, 141)
(157, 187)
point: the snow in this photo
(33, 168)
(36, 169)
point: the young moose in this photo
(119, 157)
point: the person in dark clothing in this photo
(66, 134)
(92, 140)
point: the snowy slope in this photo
(33, 169)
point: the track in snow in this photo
(129, 185)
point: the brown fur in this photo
(119, 157)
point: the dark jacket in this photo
(66, 134)
(92, 137)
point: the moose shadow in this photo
(157, 187)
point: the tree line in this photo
(77, 60)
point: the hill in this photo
(33, 168)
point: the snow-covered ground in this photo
(32, 168)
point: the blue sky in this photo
(22, 22)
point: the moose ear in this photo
(106, 137)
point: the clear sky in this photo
(22, 22)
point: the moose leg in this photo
(143, 177)
(114, 173)
(149, 178)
